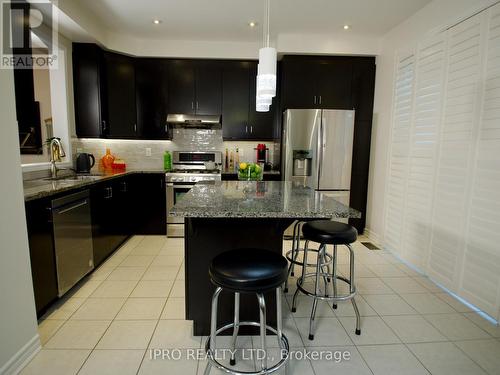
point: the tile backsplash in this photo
(148, 154)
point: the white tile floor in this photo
(134, 302)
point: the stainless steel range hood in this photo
(194, 121)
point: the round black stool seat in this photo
(248, 270)
(329, 232)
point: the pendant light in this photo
(266, 70)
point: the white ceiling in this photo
(227, 20)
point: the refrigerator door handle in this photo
(320, 149)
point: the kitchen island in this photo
(241, 215)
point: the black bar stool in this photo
(328, 233)
(247, 271)
(293, 254)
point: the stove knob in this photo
(192, 179)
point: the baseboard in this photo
(374, 237)
(22, 357)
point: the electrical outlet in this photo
(148, 151)
(79, 150)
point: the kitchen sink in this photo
(90, 177)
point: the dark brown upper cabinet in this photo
(235, 99)
(208, 88)
(181, 88)
(195, 87)
(240, 120)
(119, 88)
(87, 63)
(313, 82)
(151, 86)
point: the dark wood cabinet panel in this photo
(150, 203)
(120, 109)
(260, 124)
(240, 120)
(235, 99)
(107, 232)
(181, 91)
(151, 84)
(42, 256)
(313, 82)
(208, 88)
(333, 83)
(298, 83)
(87, 61)
(363, 87)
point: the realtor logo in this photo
(29, 34)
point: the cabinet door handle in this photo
(246, 128)
(314, 99)
(320, 99)
(108, 190)
(103, 126)
(135, 128)
(251, 129)
(192, 105)
(197, 105)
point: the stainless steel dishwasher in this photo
(72, 238)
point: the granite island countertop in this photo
(263, 199)
(40, 188)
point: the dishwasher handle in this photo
(72, 207)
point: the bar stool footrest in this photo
(289, 257)
(276, 367)
(326, 297)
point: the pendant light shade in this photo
(266, 73)
(262, 108)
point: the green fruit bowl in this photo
(250, 172)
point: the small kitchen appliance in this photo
(84, 162)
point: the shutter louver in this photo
(481, 276)
(456, 150)
(400, 138)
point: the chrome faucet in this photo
(56, 152)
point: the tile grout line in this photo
(156, 327)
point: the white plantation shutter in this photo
(422, 151)
(481, 270)
(456, 152)
(400, 138)
(443, 187)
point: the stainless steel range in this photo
(188, 168)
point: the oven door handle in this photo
(183, 186)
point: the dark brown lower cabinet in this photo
(42, 256)
(120, 207)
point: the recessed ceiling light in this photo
(347, 27)
(252, 24)
(156, 22)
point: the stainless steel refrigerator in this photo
(317, 150)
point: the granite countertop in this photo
(40, 188)
(265, 172)
(264, 199)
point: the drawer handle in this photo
(84, 203)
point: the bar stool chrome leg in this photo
(334, 274)
(213, 326)
(303, 277)
(295, 253)
(317, 292)
(232, 361)
(262, 311)
(351, 289)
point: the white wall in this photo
(62, 109)
(437, 15)
(18, 326)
